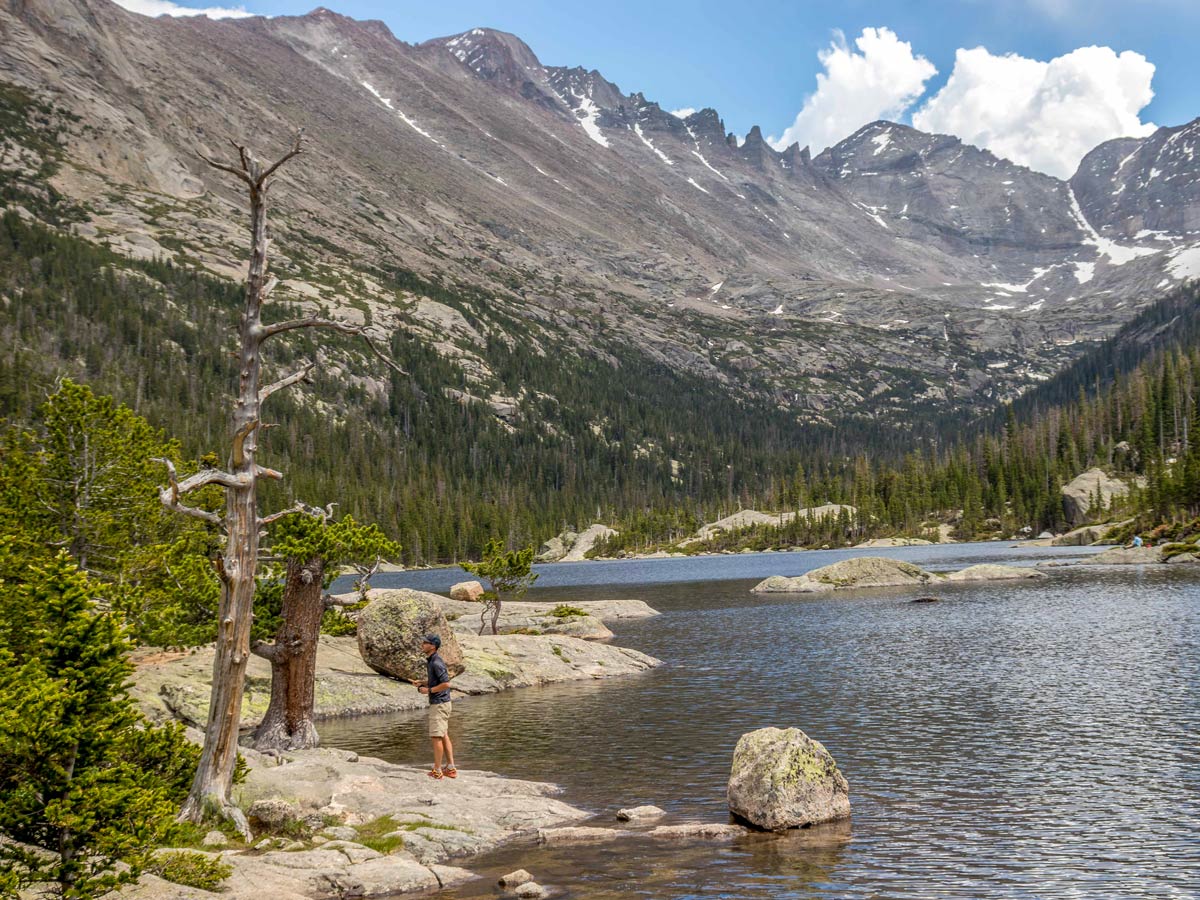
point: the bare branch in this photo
(264, 472)
(265, 650)
(287, 381)
(311, 322)
(238, 454)
(303, 509)
(387, 361)
(175, 489)
(216, 164)
(297, 149)
(332, 602)
(333, 325)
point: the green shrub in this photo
(562, 611)
(191, 869)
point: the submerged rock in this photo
(578, 834)
(640, 814)
(390, 631)
(690, 830)
(781, 778)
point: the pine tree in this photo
(85, 784)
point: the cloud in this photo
(880, 81)
(1045, 115)
(166, 8)
(683, 113)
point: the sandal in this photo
(434, 773)
(451, 772)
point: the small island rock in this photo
(859, 572)
(515, 879)
(1125, 556)
(390, 631)
(781, 778)
(991, 572)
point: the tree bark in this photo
(288, 723)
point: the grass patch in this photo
(191, 869)
(378, 835)
(562, 611)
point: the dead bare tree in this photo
(241, 522)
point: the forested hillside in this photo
(589, 438)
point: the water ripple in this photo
(1013, 741)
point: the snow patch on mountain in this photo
(588, 115)
(637, 129)
(1185, 262)
(407, 121)
(1117, 254)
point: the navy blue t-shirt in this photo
(437, 673)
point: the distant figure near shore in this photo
(437, 686)
(1137, 540)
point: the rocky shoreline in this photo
(317, 812)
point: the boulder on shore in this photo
(390, 629)
(571, 546)
(859, 572)
(467, 591)
(1081, 492)
(781, 778)
(992, 572)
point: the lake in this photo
(1014, 740)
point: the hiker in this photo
(437, 686)
(1137, 540)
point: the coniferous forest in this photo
(444, 477)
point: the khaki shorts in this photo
(439, 719)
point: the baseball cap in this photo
(432, 639)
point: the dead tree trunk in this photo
(238, 565)
(288, 723)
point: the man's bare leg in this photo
(437, 753)
(449, 752)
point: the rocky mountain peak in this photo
(1149, 187)
(706, 126)
(492, 55)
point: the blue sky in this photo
(757, 61)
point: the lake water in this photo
(1015, 740)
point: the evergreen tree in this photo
(87, 788)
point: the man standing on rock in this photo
(437, 686)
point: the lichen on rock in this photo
(781, 778)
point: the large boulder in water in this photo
(859, 572)
(782, 778)
(390, 631)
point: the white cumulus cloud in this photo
(879, 81)
(166, 8)
(1044, 115)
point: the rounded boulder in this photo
(782, 778)
(390, 629)
(467, 592)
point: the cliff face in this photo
(894, 270)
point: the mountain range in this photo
(894, 275)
